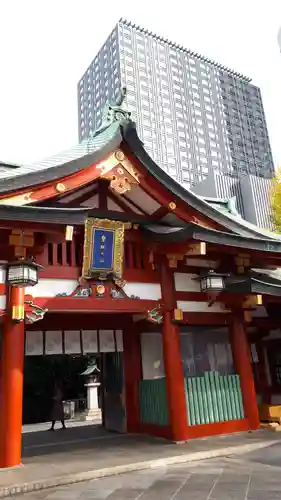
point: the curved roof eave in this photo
(196, 232)
(228, 221)
(102, 144)
(66, 163)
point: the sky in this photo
(47, 45)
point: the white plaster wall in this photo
(2, 274)
(185, 282)
(51, 287)
(152, 356)
(2, 281)
(194, 306)
(2, 302)
(148, 291)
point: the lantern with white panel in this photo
(212, 282)
(22, 273)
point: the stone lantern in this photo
(92, 374)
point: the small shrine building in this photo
(184, 292)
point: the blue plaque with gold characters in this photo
(103, 248)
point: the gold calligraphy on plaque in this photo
(115, 267)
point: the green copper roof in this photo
(86, 147)
(227, 208)
(113, 116)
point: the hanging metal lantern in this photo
(212, 282)
(22, 273)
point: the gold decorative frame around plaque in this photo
(118, 246)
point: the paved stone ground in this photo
(81, 453)
(217, 479)
(44, 426)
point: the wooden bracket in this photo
(197, 249)
(178, 315)
(21, 240)
(251, 302)
(173, 259)
(242, 261)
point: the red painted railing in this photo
(64, 260)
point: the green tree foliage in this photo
(276, 200)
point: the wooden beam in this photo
(160, 213)
(268, 299)
(173, 248)
(74, 272)
(99, 305)
(257, 257)
(60, 272)
(36, 227)
(103, 194)
(205, 318)
(80, 321)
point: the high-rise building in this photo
(197, 118)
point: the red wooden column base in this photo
(172, 356)
(242, 362)
(174, 379)
(11, 385)
(132, 372)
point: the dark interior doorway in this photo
(40, 374)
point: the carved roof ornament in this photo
(123, 176)
(114, 112)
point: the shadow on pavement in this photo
(80, 441)
(45, 442)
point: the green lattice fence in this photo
(153, 402)
(213, 398)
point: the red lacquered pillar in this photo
(132, 372)
(242, 363)
(12, 361)
(172, 357)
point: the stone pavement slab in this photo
(215, 479)
(56, 459)
(44, 426)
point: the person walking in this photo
(57, 413)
